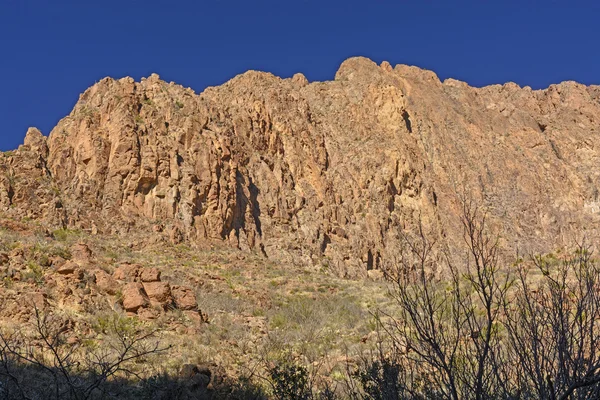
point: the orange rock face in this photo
(158, 292)
(150, 275)
(134, 297)
(184, 297)
(127, 272)
(67, 268)
(106, 283)
(306, 172)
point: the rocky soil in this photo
(218, 309)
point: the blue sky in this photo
(52, 50)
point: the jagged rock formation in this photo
(318, 171)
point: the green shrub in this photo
(290, 381)
(65, 234)
(34, 273)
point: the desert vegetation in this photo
(484, 330)
(276, 238)
(443, 326)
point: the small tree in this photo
(45, 364)
(553, 323)
(482, 332)
(448, 326)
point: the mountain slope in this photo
(317, 173)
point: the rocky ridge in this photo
(322, 173)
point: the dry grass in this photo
(258, 310)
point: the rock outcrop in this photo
(318, 173)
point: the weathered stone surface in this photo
(127, 272)
(147, 313)
(195, 316)
(69, 267)
(159, 293)
(375, 274)
(150, 275)
(322, 173)
(36, 141)
(106, 283)
(134, 297)
(185, 298)
(81, 253)
(36, 299)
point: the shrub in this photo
(487, 332)
(45, 365)
(65, 234)
(34, 273)
(290, 381)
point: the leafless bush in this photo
(45, 365)
(447, 326)
(482, 331)
(553, 325)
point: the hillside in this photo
(258, 216)
(312, 171)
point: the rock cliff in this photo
(317, 173)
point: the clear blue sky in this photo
(52, 50)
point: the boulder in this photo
(38, 300)
(196, 316)
(147, 313)
(150, 275)
(81, 253)
(185, 298)
(159, 293)
(195, 377)
(134, 297)
(67, 268)
(375, 274)
(106, 282)
(127, 272)
(175, 236)
(189, 370)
